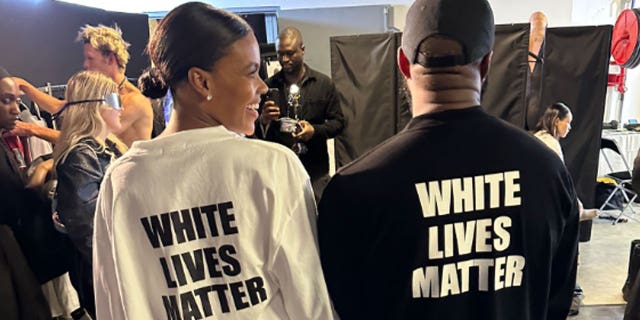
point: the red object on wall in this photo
(624, 41)
(617, 79)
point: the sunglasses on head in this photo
(110, 99)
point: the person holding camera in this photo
(303, 112)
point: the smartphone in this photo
(274, 95)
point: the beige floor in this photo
(604, 261)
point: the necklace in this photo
(121, 83)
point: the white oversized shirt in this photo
(551, 142)
(207, 224)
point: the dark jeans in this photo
(81, 276)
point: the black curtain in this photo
(38, 38)
(575, 68)
(575, 71)
(374, 105)
(504, 92)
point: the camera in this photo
(274, 95)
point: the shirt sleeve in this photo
(296, 264)
(565, 260)
(342, 246)
(334, 119)
(106, 281)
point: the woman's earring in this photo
(209, 97)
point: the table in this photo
(628, 142)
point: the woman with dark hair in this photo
(554, 125)
(202, 222)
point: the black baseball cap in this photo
(470, 22)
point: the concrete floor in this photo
(604, 261)
(603, 267)
(600, 313)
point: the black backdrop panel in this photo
(575, 72)
(504, 94)
(364, 70)
(576, 61)
(38, 38)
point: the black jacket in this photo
(79, 178)
(29, 216)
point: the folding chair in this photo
(622, 179)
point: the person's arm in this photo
(108, 296)
(79, 178)
(25, 129)
(39, 176)
(565, 259)
(296, 264)
(47, 102)
(136, 108)
(334, 119)
(343, 243)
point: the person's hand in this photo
(270, 112)
(46, 165)
(19, 82)
(39, 176)
(23, 129)
(306, 131)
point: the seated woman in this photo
(81, 158)
(554, 125)
(202, 222)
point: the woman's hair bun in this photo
(152, 84)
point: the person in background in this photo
(460, 215)
(22, 298)
(105, 51)
(91, 112)
(314, 103)
(146, 85)
(554, 125)
(202, 222)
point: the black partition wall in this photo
(38, 38)
(371, 93)
(575, 68)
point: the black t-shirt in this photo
(459, 216)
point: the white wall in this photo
(559, 13)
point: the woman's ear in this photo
(201, 81)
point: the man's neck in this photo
(295, 77)
(120, 79)
(445, 92)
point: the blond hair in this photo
(107, 40)
(82, 120)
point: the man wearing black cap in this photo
(460, 215)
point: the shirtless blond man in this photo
(105, 51)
